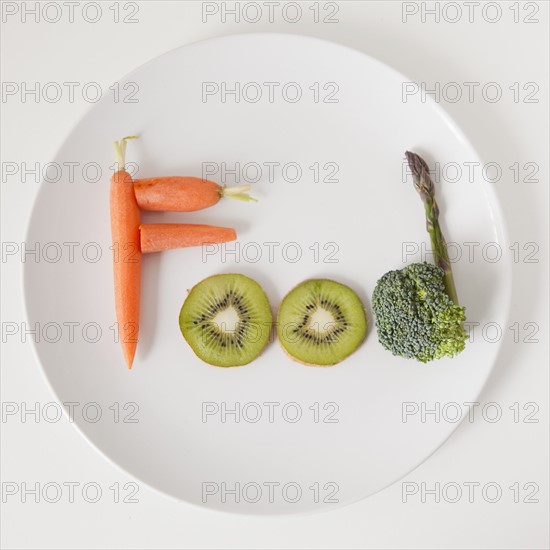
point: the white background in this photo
(505, 131)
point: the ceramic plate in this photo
(320, 131)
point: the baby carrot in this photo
(126, 254)
(164, 236)
(184, 193)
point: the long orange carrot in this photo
(126, 254)
(165, 236)
(184, 193)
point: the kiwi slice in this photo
(226, 319)
(320, 322)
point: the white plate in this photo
(369, 213)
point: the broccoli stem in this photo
(425, 187)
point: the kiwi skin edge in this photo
(232, 366)
(296, 360)
(321, 366)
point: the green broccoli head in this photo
(414, 315)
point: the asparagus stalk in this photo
(425, 187)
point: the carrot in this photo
(184, 193)
(165, 236)
(126, 254)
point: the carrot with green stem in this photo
(156, 237)
(126, 253)
(184, 193)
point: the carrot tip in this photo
(129, 361)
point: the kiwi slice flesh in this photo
(226, 319)
(320, 322)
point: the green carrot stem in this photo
(120, 152)
(239, 192)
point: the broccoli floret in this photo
(414, 315)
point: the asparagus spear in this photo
(425, 187)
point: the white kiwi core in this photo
(227, 320)
(321, 321)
